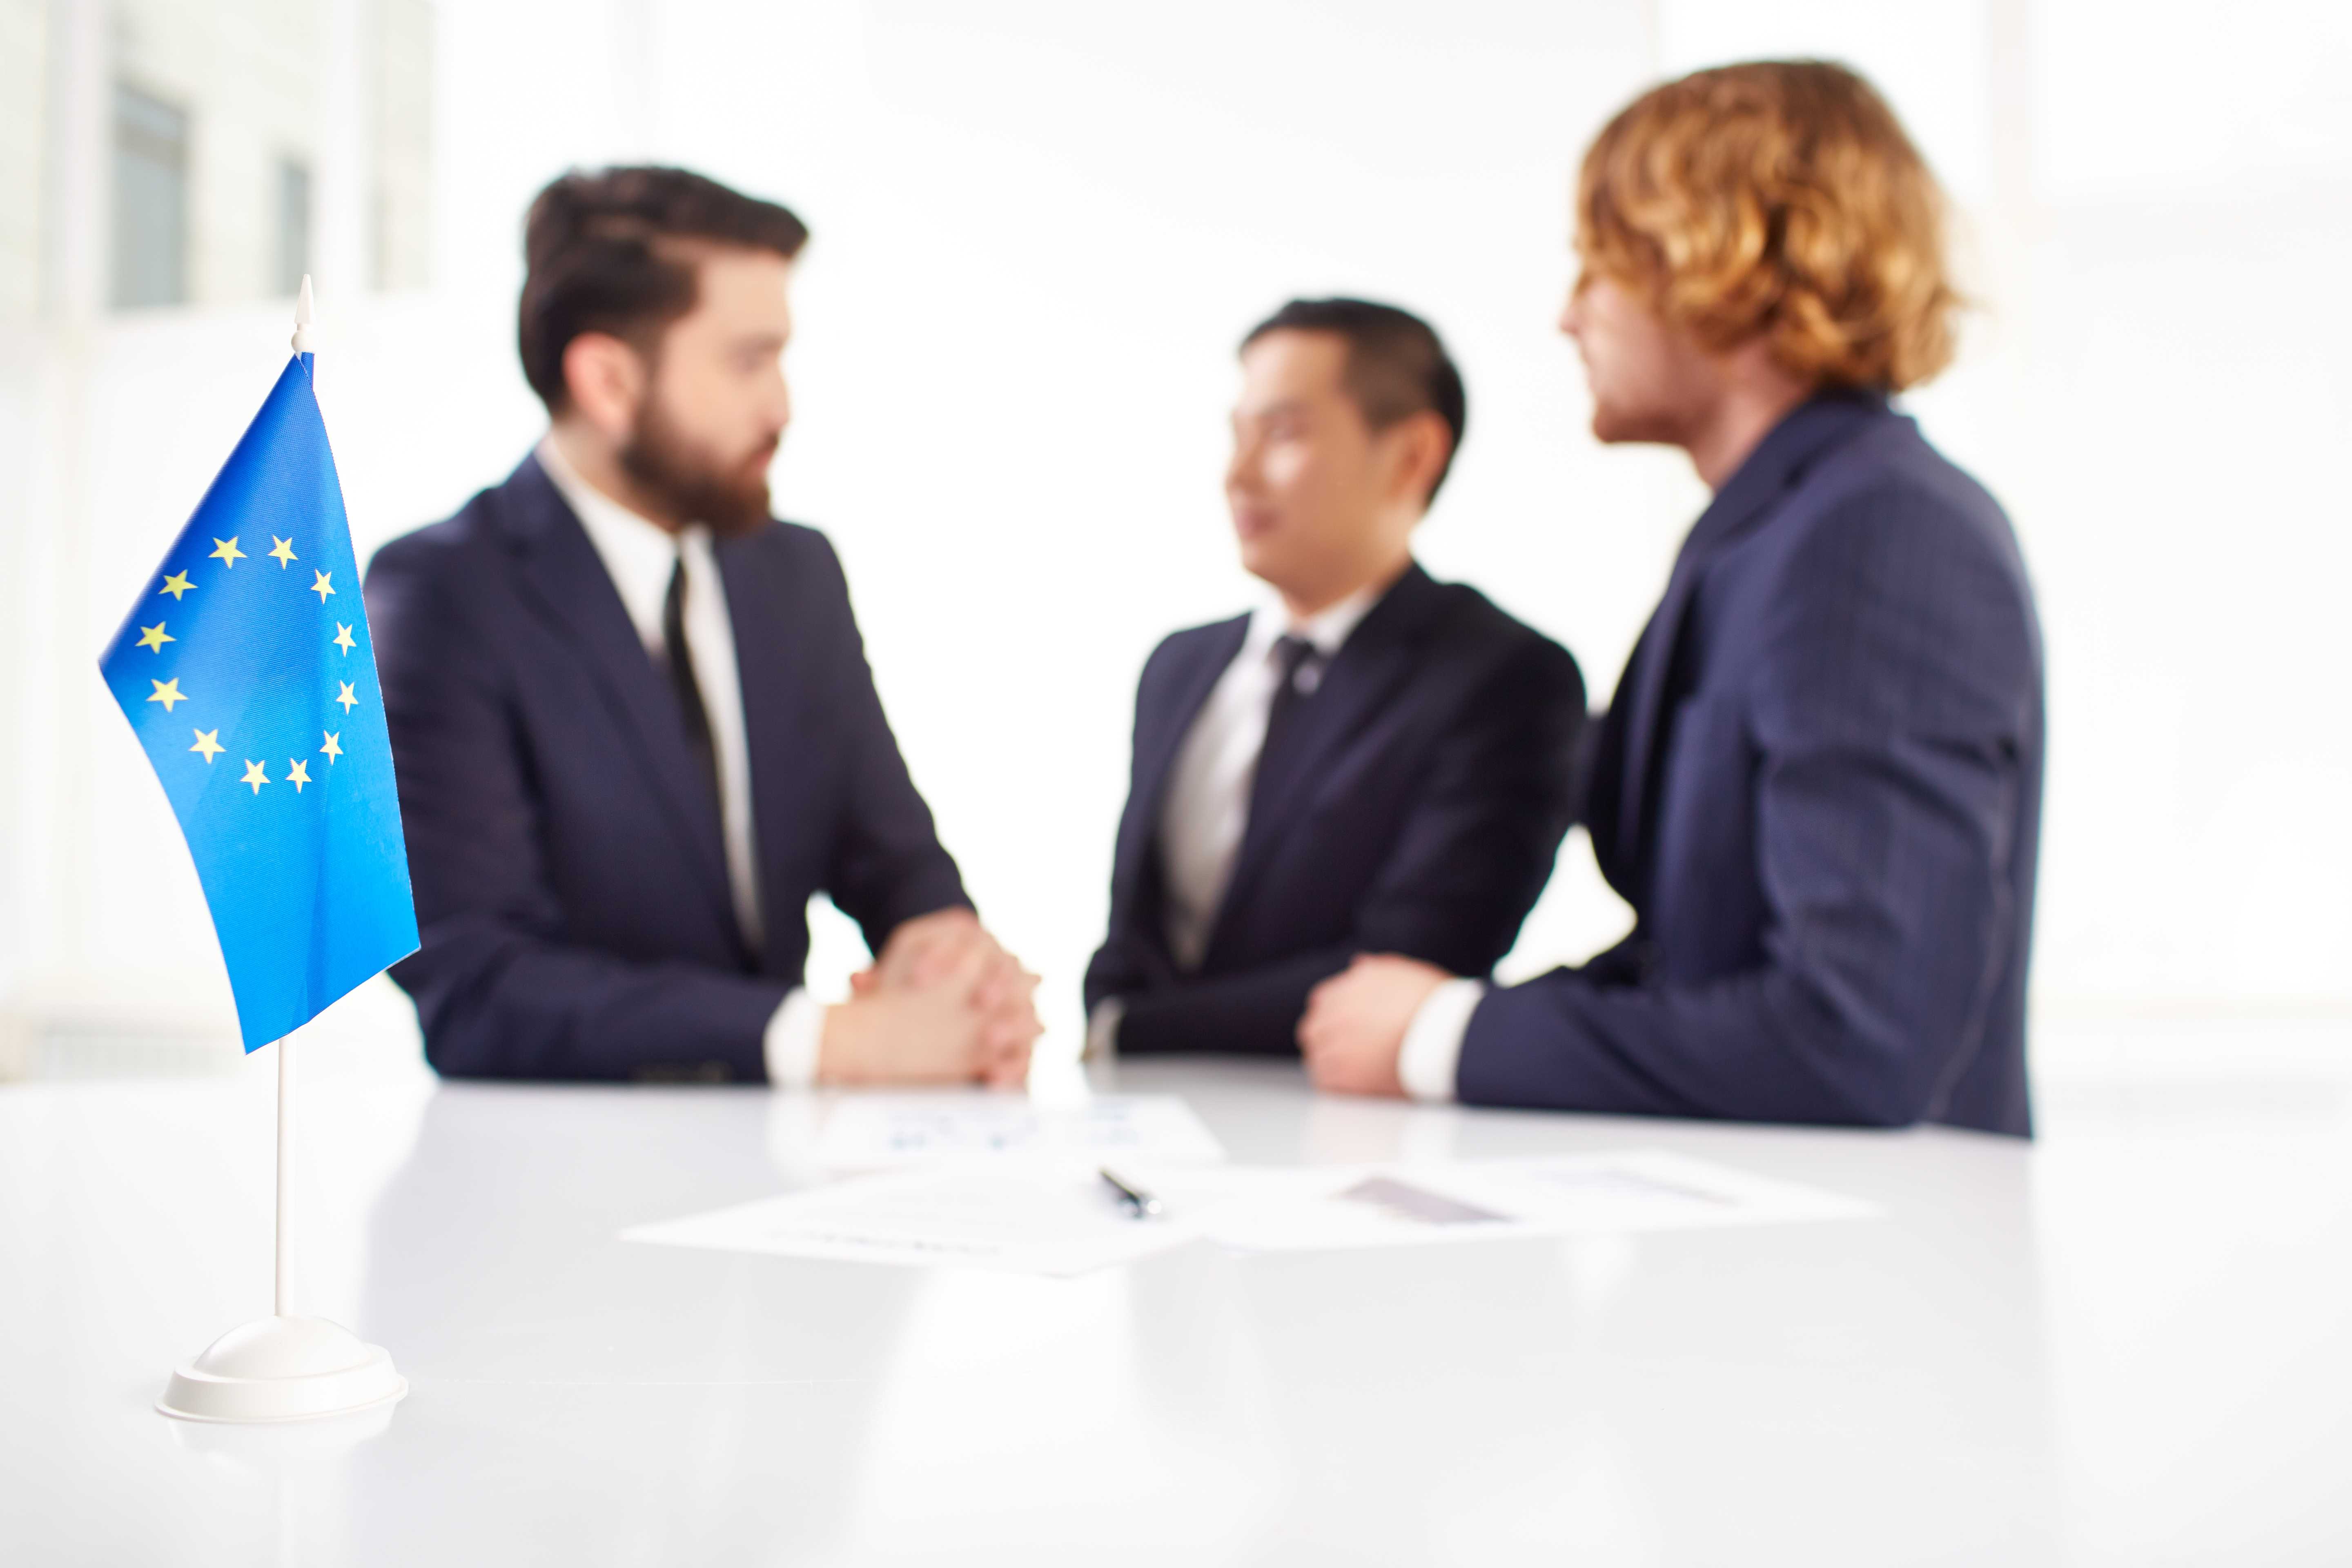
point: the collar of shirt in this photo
(1329, 628)
(639, 554)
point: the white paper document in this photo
(1024, 1216)
(875, 1131)
(1037, 1214)
(1418, 1203)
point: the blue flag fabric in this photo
(247, 670)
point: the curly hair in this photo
(1780, 200)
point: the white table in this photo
(2130, 1344)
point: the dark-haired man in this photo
(634, 724)
(1372, 761)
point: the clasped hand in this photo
(944, 1003)
(1353, 1032)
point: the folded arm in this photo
(1888, 709)
(887, 865)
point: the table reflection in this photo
(642, 1400)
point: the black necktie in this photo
(679, 658)
(1301, 665)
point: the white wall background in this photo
(1040, 228)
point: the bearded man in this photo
(631, 712)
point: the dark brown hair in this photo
(615, 250)
(1396, 366)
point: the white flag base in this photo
(283, 1369)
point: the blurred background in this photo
(1041, 226)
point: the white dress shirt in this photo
(640, 555)
(1206, 808)
(1432, 1041)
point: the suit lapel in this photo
(1646, 684)
(565, 577)
(1370, 667)
(1159, 734)
(1752, 494)
(772, 663)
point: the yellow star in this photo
(343, 639)
(299, 777)
(208, 743)
(225, 552)
(284, 553)
(334, 747)
(168, 692)
(176, 584)
(345, 697)
(322, 587)
(155, 637)
(254, 776)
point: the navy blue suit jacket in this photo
(567, 856)
(1418, 812)
(1819, 787)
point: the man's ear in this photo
(1420, 442)
(606, 380)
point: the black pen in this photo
(1138, 1204)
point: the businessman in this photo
(1373, 762)
(1820, 782)
(632, 719)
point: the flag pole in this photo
(285, 1291)
(304, 339)
(303, 343)
(284, 1367)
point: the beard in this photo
(692, 481)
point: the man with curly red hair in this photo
(1819, 784)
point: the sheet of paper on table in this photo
(1027, 1217)
(1421, 1203)
(1046, 1215)
(878, 1131)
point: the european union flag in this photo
(247, 670)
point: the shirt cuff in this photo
(1432, 1041)
(1102, 1030)
(796, 1032)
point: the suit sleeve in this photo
(1129, 960)
(1472, 858)
(499, 990)
(887, 864)
(1886, 705)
